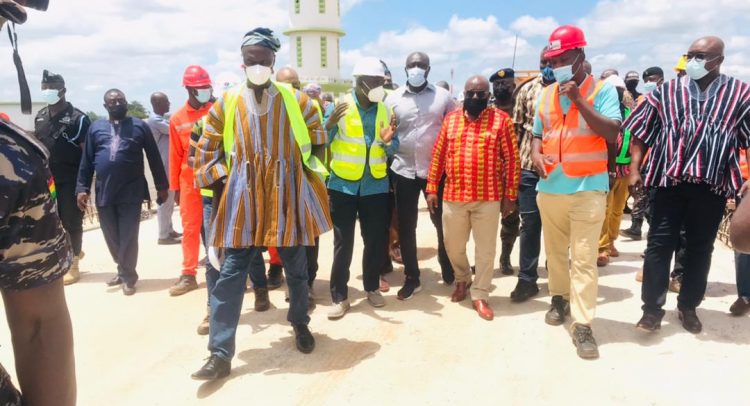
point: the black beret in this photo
(654, 70)
(52, 78)
(505, 73)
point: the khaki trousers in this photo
(616, 200)
(480, 219)
(571, 226)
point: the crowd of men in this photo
(265, 165)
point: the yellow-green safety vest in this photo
(349, 149)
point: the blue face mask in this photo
(203, 95)
(565, 73)
(51, 96)
(416, 77)
(649, 87)
(548, 74)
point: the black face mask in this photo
(475, 107)
(502, 94)
(118, 112)
(631, 85)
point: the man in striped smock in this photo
(255, 153)
(695, 127)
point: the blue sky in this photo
(142, 46)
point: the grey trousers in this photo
(164, 216)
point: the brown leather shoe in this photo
(602, 260)
(613, 252)
(740, 307)
(261, 300)
(459, 294)
(483, 309)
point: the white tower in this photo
(314, 39)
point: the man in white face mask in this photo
(361, 134)
(260, 153)
(706, 114)
(62, 128)
(419, 108)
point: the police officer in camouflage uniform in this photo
(62, 129)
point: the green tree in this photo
(93, 116)
(136, 109)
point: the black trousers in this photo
(408, 192)
(696, 208)
(71, 216)
(120, 224)
(373, 215)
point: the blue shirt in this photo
(114, 150)
(367, 185)
(606, 103)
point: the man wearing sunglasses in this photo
(695, 127)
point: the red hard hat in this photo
(196, 76)
(564, 39)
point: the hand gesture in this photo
(338, 113)
(570, 89)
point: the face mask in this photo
(502, 93)
(118, 112)
(258, 74)
(416, 77)
(475, 107)
(375, 95)
(203, 95)
(649, 87)
(631, 85)
(696, 69)
(51, 96)
(548, 74)
(565, 73)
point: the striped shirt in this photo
(523, 118)
(693, 135)
(270, 198)
(479, 158)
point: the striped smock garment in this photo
(694, 136)
(270, 198)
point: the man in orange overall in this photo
(181, 178)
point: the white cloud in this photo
(529, 26)
(347, 5)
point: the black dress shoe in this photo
(524, 291)
(690, 321)
(557, 311)
(304, 339)
(114, 281)
(128, 289)
(169, 241)
(740, 306)
(215, 368)
(650, 322)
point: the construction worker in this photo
(575, 119)
(361, 138)
(62, 129)
(197, 82)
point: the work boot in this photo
(524, 291)
(275, 277)
(557, 311)
(634, 232)
(74, 273)
(583, 339)
(505, 267)
(262, 303)
(185, 284)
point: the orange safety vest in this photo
(567, 138)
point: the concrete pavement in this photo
(141, 350)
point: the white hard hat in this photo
(616, 81)
(369, 66)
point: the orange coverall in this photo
(182, 178)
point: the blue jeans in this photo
(212, 275)
(742, 267)
(531, 227)
(226, 298)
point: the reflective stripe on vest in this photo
(320, 109)
(349, 148)
(296, 119)
(624, 157)
(567, 138)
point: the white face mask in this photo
(203, 95)
(416, 77)
(51, 96)
(696, 68)
(375, 95)
(258, 74)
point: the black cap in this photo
(505, 73)
(52, 78)
(654, 70)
